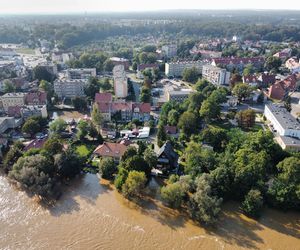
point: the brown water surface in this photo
(94, 216)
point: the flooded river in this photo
(94, 216)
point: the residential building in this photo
(75, 74)
(288, 143)
(35, 144)
(120, 61)
(142, 67)
(13, 99)
(293, 65)
(9, 123)
(65, 88)
(282, 122)
(36, 98)
(216, 75)
(231, 63)
(283, 54)
(120, 81)
(175, 69)
(178, 95)
(205, 54)
(36, 110)
(167, 159)
(282, 88)
(169, 50)
(109, 149)
(123, 111)
(50, 67)
(251, 80)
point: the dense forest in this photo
(70, 31)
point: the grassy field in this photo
(26, 51)
(83, 151)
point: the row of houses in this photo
(124, 111)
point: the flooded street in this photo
(94, 216)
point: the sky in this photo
(65, 6)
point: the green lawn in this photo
(83, 151)
(26, 51)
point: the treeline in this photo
(68, 35)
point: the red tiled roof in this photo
(237, 60)
(268, 78)
(14, 111)
(110, 149)
(36, 98)
(37, 143)
(121, 106)
(250, 78)
(280, 88)
(171, 130)
(104, 107)
(145, 66)
(103, 97)
(143, 107)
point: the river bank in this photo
(92, 215)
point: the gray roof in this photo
(14, 95)
(290, 140)
(284, 118)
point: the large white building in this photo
(216, 75)
(282, 122)
(9, 123)
(169, 50)
(34, 110)
(12, 100)
(120, 81)
(178, 95)
(175, 69)
(66, 88)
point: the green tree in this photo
(79, 104)
(161, 135)
(134, 184)
(83, 129)
(107, 168)
(145, 95)
(214, 136)
(53, 146)
(97, 117)
(150, 157)
(41, 73)
(34, 174)
(204, 206)
(241, 91)
(31, 127)
(172, 194)
(121, 178)
(246, 118)
(92, 87)
(188, 123)
(173, 117)
(8, 87)
(57, 126)
(137, 163)
(190, 75)
(14, 153)
(273, 63)
(130, 152)
(253, 203)
(209, 111)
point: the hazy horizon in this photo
(95, 6)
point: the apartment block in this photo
(66, 88)
(216, 75)
(120, 81)
(175, 69)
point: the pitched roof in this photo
(36, 98)
(280, 88)
(103, 97)
(143, 107)
(110, 149)
(104, 107)
(267, 78)
(171, 130)
(37, 143)
(168, 150)
(121, 106)
(238, 60)
(14, 111)
(145, 66)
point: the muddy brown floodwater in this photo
(91, 215)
